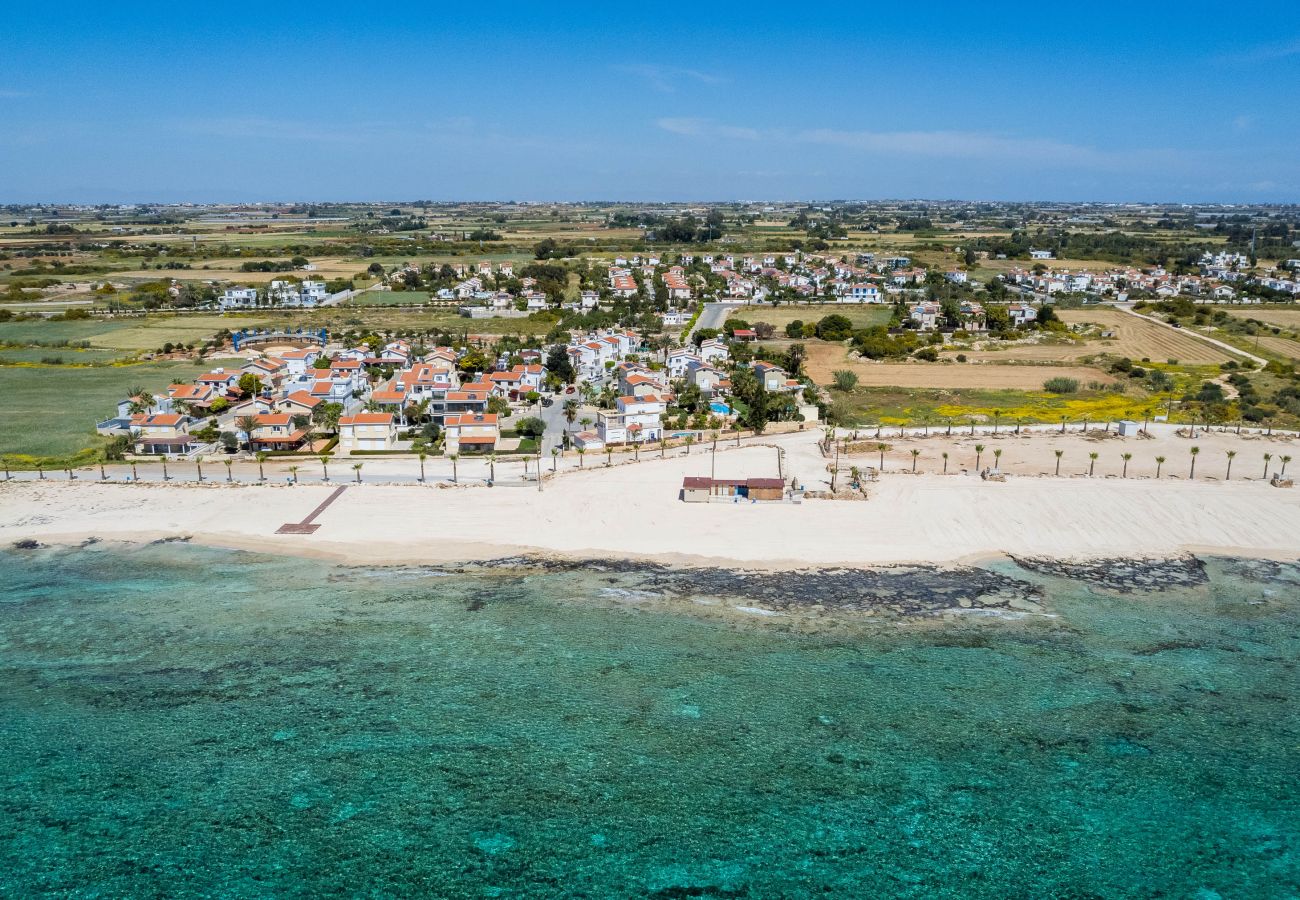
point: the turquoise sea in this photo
(178, 721)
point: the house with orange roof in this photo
(299, 403)
(471, 433)
(199, 396)
(276, 431)
(367, 431)
(161, 433)
(220, 380)
(296, 362)
(634, 420)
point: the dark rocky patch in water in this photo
(907, 590)
(1125, 575)
(27, 544)
(1264, 571)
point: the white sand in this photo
(633, 510)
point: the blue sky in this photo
(707, 101)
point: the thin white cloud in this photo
(695, 127)
(1264, 52)
(939, 144)
(667, 78)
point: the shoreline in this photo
(634, 512)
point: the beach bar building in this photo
(701, 489)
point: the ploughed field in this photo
(1139, 339)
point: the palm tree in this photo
(1092, 463)
(293, 470)
(715, 440)
(1268, 457)
(856, 474)
(996, 416)
(582, 451)
(492, 466)
(325, 465)
(1059, 454)
(881, 448)
(585, 422)
(1192, 473)
(1228, 476)
(570, 412)
(453, 457)
(945, 462)
(1160, 461)
(555, 458)
(166, 477)
(103, 476)
(40, 470)
(423, 456)
(198, 464)
(246, 424)
(690, 439)
(663, 444)
(915, 454)
(979, 450)
(1126, 457)
(609, 456)
(1285, 460)
(134, 476)
(261, 458)
(997, 459)
(356, 467)
(229, 463)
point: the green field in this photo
(389, 298)
(131, 334)
(51, 411)
(861, 315)
(68, 356)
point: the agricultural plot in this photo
(1282, 318)
(824, 359)
(861, 315)
(52, 411)
(127, 334)
(389, 298)
(1140, 339)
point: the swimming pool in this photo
(719, 407)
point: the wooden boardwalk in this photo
(307, 526)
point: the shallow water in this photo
(181, 721)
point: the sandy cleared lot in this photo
(824, 359)
(1139, 339)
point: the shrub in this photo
(929, 354)
(1061, 385)
(844, 380)
(834, 328)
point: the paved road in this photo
(713, 316)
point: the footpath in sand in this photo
(632, 510)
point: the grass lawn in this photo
(51, 411)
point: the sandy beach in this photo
(632, 510)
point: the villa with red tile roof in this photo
(471, 432)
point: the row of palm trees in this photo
(1092, 461)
